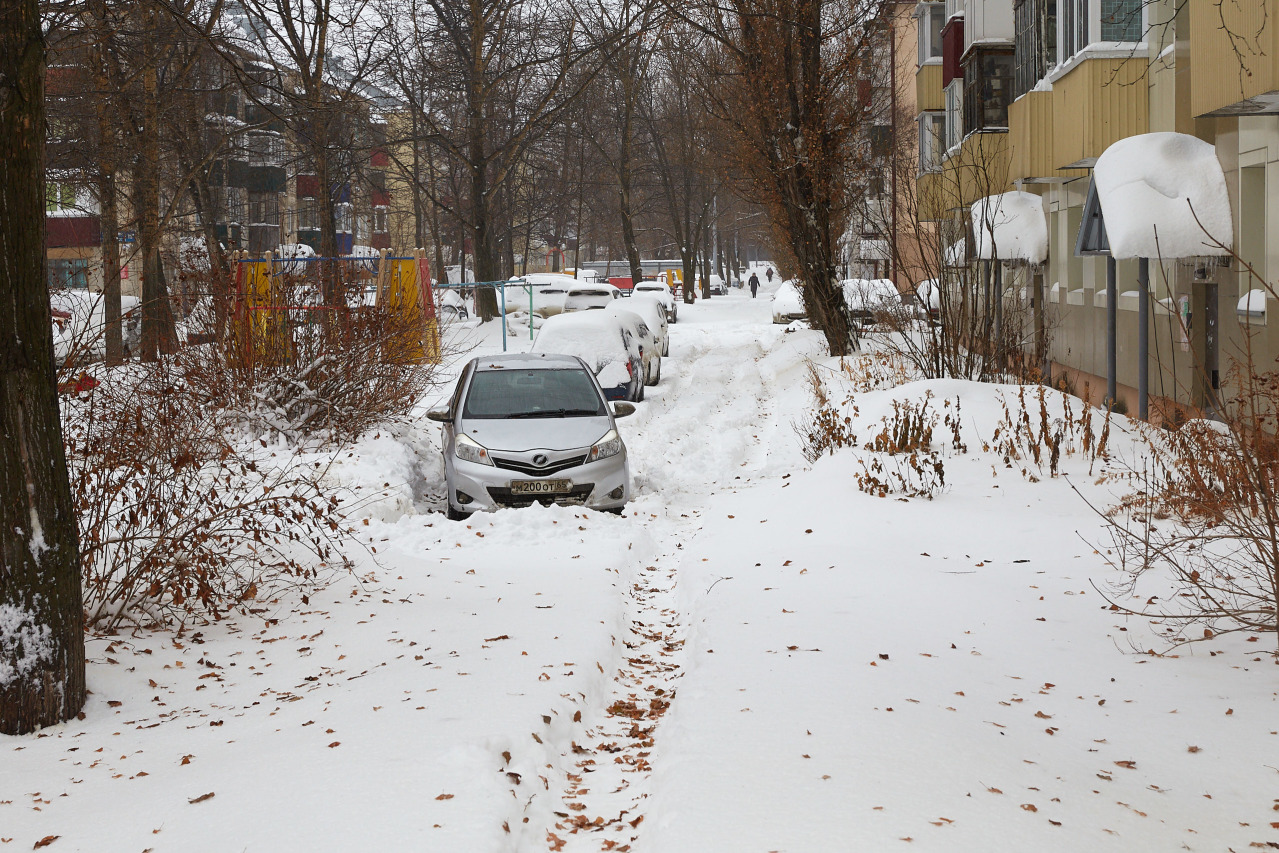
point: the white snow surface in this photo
(1152, 188)
(1010, 226)
(843, 672)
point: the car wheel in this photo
(655, 371)
(456, 514)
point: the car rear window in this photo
(532, 393)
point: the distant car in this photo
(549, 291)
(450, 306)
(608, 345)
(650, 343)
(79, 324)
(584, 297)
(868, 296)
(532, 427)
(718, 287)
(663, 294)
(788, 304)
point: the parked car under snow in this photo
(602, 340)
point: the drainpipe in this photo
(1112, 297)
(1143, 339)
(892, 150)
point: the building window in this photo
(931, 18)
(264, 149)
(932, 140)
(1074, 27)
(72, 273)
(343, 216)
(988, 87)
(954, 113)
(1121, 20)
(264, 208)
(308, 215)
(1036, 43)
(60, 198)
(379, 220)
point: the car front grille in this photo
(577, 495)
(538, 471)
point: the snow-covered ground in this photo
(757, 657)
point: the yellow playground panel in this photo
(264, 324)
(404, 292)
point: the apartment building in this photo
(1027, 94)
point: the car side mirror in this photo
(441, 415)
(622, 409)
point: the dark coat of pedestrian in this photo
(754, 283)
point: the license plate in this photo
(541, 487)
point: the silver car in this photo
(532, 427)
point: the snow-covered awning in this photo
(1010, 227)
(1153, 187)
(873, 250)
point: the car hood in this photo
(536, 433)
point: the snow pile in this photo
(868, 294)
(1011, 227)
(24, 644)
(1153, 187)
(294, 256)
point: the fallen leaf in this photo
(444, 797)
(1030, 807)
(46, 841)
(202, 798)
(1130, 765)
(994, 790)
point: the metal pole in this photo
(1143, 339)
(502, 292)
(998, 294)
(1112, 309)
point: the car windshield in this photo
(538, 393)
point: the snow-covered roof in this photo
(1153, 187)
(1011, 227)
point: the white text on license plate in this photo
(540, 487)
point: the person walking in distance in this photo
(768, 273)
(754, 283)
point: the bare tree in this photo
(41, 617)
(783, 79)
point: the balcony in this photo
(1099, 101)
(929, 93)
(1234, 69)
(978, 168)
(1030, 132)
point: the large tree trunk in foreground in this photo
(41, 617)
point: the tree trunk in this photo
(107, 203)
(158, 333)
(41, 634)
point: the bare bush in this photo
(825, 429)
(1203, 521)
(1029, 438)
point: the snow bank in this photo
(1010, 226)
(1153, 186)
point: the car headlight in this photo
(609, 445)
(469, 450)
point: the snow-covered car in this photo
(532, 427)
(654, 314)
(294, 258)
(450, 306)
(583, 297)
(79, 324)
(548, 291)
(650, 345)
(662, 293)
(788, 304)
(607, 345)
(718, 287)
(868, 296)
